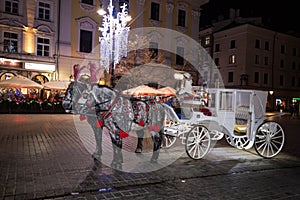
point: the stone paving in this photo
(43, 157)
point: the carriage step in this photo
(171, 133)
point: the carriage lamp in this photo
(114, 39)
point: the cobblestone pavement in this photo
(42, 157)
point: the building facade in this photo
(28, 39)
(251, 57)
(79, 30)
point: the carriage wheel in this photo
(229, 140)
(197, 142)
(269, 139)
(168, 141)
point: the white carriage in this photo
(239, 115)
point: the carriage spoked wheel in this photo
(168, 141)
(197, 142)
(269, 139)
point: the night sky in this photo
(276, 15)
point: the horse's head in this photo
(75, 97)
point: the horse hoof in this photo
(138, 150)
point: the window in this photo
(267, 45)
(153, 48)
(257, 44)
(230, 77)
(294, 51)
(10, 42)
(179, 56)
(207, 40)
(43, 47)
(282, 49)
(256, 59)
(266, 78)
(12, 6)
(281, 63)
(217, 61)
(294, 65)
(217, 48)
(266, 61)
(281, 80)
(232, 44)
(85, 44)
(90, 2)
(155, 11)
(226, 101)
(181, 18)
(44, 11)
(256, 77)
(293, 81)
(232, 59)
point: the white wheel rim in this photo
(198, 142)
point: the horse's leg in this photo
(157, 140)
(98, 138)
(139, 146)
(117, 152)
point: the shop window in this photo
(10, 42)
(86, 41)
(181, 18)
(41, 79)
(155, 11)
(43, 47)
(44, 11)
(12, 6)
(6, 75)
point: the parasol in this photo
(142, 90)
(19, 82)
(57, 85)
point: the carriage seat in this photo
(241, 119)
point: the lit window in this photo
(44, 11)
(155, 11)
(232, 59)
(153, 48)
(43, 47)
(207, 40)
(10, 42)
(12, 6)
(86, 42)
(181, 18)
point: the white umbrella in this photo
(168, 91)
(57, 85)
(19, 82)
(142, 90)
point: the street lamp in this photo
(114, 39)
